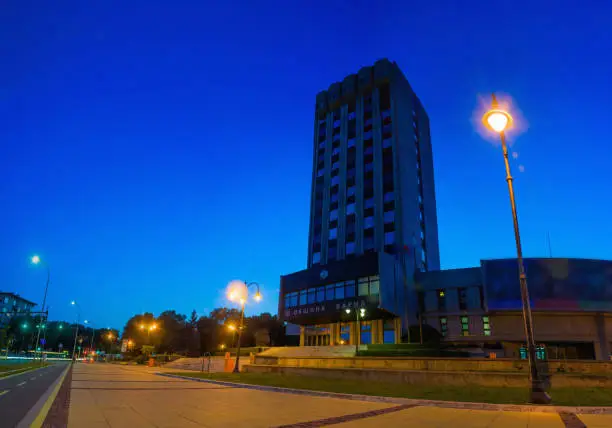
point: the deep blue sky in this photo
(153, 152)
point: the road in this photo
(19, 393)
(105, 395)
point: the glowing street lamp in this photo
(499, 120)
(76, 332)
(238, 291)
(36, 260)
(358, 314)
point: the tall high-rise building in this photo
(373, 219)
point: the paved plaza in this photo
(125, 396)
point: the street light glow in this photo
(231, 327)
(362, 311)
(347, 310)
(258, 297)
(497, 120)
(35, 260)
(73, 303)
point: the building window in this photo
(351, 142)
(291, 300)
(329, 292)
(368, 286)
(333, 214)
(443, 326)
(350, 209)
(350, 248)
(340, 290)
(331, 251)
(462, 298)
(387, 142)
(316, 258)
(369, 203)
(335, 180)
(389, 216)
(349, 289)
(345, 333)
(333, 233)
(368, 222)
(374, 285)
(389, 238)
(303, 297)
(320, 173)
(465, 326)
(312, 297)
(320, 294)
(486, 326)
(363, 286)
(366, 332)
(441, 299)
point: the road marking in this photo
(33, 378)
(3, 392)
(22, 383)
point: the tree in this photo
(209, 330)
(192, 336)
(172, 327)
(141, 336)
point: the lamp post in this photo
(239, 292)
(76, 332)
(93, 335)
(149, 328)
(358, 314)
(498, 120)
(36, 260)
(232, 328)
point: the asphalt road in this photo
(18, 394)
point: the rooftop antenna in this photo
(549, 245)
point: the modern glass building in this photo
(373, 220)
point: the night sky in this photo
(153, 152)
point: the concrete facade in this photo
(571, 302)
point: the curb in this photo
(416, 402)
(35, 417)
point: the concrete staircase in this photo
(309, 351)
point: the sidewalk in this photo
(128, 396)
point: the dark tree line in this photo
(171, 332)
(20, 333)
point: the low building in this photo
(571, 302)
(12, 304)
(325, 301)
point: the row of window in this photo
(462, 298)
(366, 286)
(465, 326)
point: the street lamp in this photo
(93, 334)
(498, 120)
(36, 260)
(239, 292)
(151, 327)
(76, 332)
(358, 314)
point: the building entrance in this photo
(317, 336)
